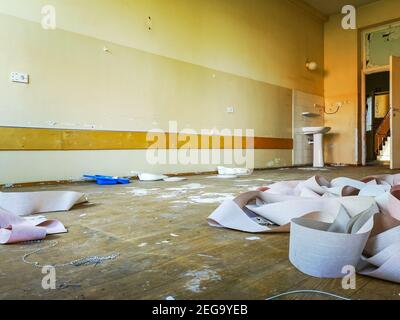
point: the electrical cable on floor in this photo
(308, 291)
(87, 261)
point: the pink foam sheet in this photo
(15, 207)
(14, 229)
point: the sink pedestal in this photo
(319, 161)
(318, 134)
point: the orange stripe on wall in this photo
(36, 139)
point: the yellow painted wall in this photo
(74, 84)
(200, 58)
(342, 52)
(266, 40)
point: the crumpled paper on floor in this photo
(14, 206)
(333, 224)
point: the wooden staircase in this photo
(382, 134)
(384, 155)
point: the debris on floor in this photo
(353, 221)
(142, 245)
(102, 234)
(107, 180)
(234, 171)
(313, 169)
(14, 229)
(253, 238)
(141, 192)
(208, 198)
(175, 179)
(28, 203)
(93, 260)
(224, 176)
(200, 279)
(13, 205)
(317, 292)
(86, 261)
(231, 173)
(190, 186)
(151, 177)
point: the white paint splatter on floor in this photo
(209, 198)
(253, 238)
(141, 192)
(163, 242)
(169, 195)
(205, 256)
(313, 169)
(184, 202)
(223, 177)
(191, 186)
(206, 275)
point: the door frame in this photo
(394, 110)
(364, 74)
(364, 71)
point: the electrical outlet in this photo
(19, 77)
(149, 23)
(230, 110)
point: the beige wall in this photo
(342, 77)
(305, 102)
(265, 40)
(75, 85)
(200, 58)
(19, 167)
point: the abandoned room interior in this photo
(200, 149)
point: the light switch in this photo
(230, 110)
(19, 77)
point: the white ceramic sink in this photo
(318, 142)
(315, 130)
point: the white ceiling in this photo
(329, 7)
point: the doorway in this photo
(380, 112)
(380, 95)
(377, 118)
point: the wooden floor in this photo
(167, 249)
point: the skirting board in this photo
(71, 182)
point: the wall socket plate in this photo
(230, 110)
(19, 77)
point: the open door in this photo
(395, 112)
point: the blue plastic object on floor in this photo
(107, 180)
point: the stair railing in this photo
(382, 133)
